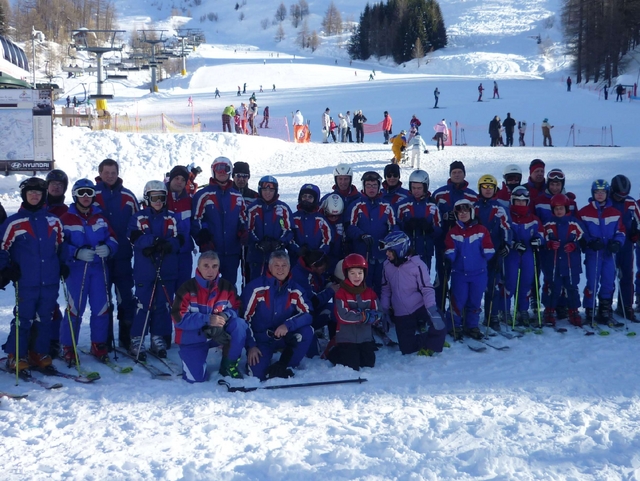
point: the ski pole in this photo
(535, 270)
(624, 312)
(493, 289)
(110, 307)
(222, 382)
(166, 294)
(453, 322)
(593, 293)
(515, 300)
(73, 336)
(146, 320)
(17, 328)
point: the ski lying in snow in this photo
(52, 371)
(172, 366)
(25, 375)
(474, 345)
(230, 388)
(9, 395)
(486, 342)
(111, 364)
(511, 334)
(155, 372)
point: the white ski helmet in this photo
(333, 205)
(343, 169)
(221, 161)
(154, 186)
(511, 169)
(420, 176)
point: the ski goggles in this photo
(268, 186)
(487, 186)
(222, 168)
(463, 208)
(157, 198)
(84, 192)
(555, 175)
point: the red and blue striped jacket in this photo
(604, 222)
(86, 231)
(118, 205)
(468, 247)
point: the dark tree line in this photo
(599, 33)
(393, 29)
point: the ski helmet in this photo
(555, 175)
(221, 163)
(154, 186)
(620, 185)
(310, 189)
(512, 170)
(34, 183)
(520, 193)
(398, 242)
(83, 188)
(488, 179)
(463, 202)
(560, 199)
(420, 176)
(371, 176)
(267, 181)
(354, 260)
(57, 175)
(342, 169)
(600, 184)
(333, 205)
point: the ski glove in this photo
(535, 242)
(553, 245)
(520, 247)
(367, 239)
(372, 317)
(64, 271)
(436, 318)
(163, 246)
(504, 250)
(596, 244)
(570, 247)
(613, 246)
(103, 251)
(85, 254)
(12, 273)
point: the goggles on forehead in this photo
(85, 192)
(555, 175)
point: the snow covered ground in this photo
(555, 406)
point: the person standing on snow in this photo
(326, 125)
(219, 218)
(358, 122)
(495, 90)
(265, 118)
(344, 127)
(522, 129)
(436, 94)
(417, 146)
(546, 133)
(227, 113)
(387, 124)
(180, 201)
(118, 205)
(569, 84)
(494, 131)
(205, 315)
(88, 243)
(509, 125)
(408, 292)
(156, 241)
(348, 118)
(29, 257)
(441, 129)
(480, 90)
(398, 145)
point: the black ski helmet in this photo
(620, 185)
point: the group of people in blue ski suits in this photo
(345, 267)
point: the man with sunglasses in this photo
(241, 176)
(88, 244)
(392, 190)
(118, 204)
(29, 256)
(156, 236)
(219, 219)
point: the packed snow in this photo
(553, 406)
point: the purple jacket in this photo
(407, 287)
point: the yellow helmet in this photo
(488, 179)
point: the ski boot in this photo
(590, 315)
(54, 349)
(100, 351)
(627, 312)
(23, 363)
(68, 356)
(574, 318)
(523, 319)
(158, 346)
(562, 312)
(426, 352)
(137, 349)
(494, 323)
(39, 361)
(549, 317)
(473, 333)
(606, 313)
(457, 334)
(229, 368)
